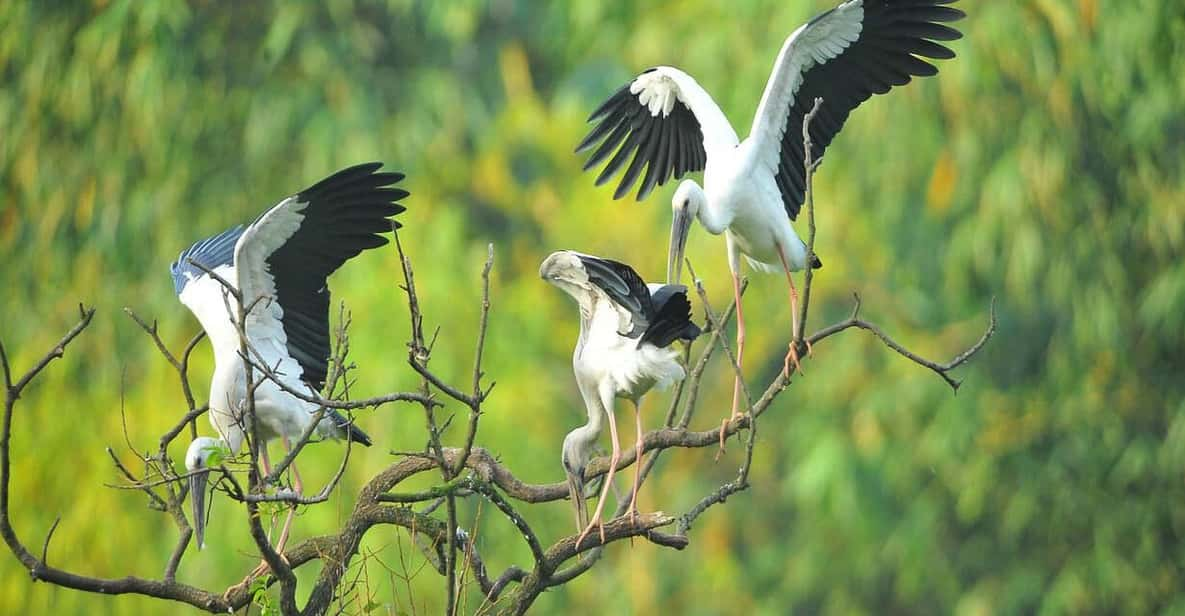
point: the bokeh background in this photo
(1044, 167)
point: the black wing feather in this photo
(345, 213)
(624, 287)
(672, 318)
(894, 38)
(665, 146)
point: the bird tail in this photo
(776, 268)
(345, 428)
(672, 320)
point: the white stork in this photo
(624, 349)
(754, 188)
(279, 264)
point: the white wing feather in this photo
(257, 286)
(658, 89)
(255, 282)
(813, 43)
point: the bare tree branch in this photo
(941, 369)
(466, 471)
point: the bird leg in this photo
(792, 354)
(263, 460)
(633, 510)
(613, 459)
(736, 387)
(298, 486)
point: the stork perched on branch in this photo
(278, 266)
(667, 124)
(626, 332)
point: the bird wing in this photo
(202, 294)
(625, 288)
(672, 317)
(844, 56)
(212, 252)
(287, 254)
(667, 123)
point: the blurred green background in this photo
(1044, 166)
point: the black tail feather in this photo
(672, 320)
(347, 428)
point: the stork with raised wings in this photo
(279, 265)
(752, 189)
(624, 349)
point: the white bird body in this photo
(609, 364)
(278, 265)
(664, 123)
(279, 413)
(669, 125)
(627, 331)
(743, 202)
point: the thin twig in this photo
(16, 389)
(477, 396)
(716, 324)
(809, 166)
(48, 537)
(420, 354)
(157, 501)
(941, 369)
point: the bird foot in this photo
(233, 590)
(633, 512)
(245, 585)
(720, 451)
(635, 519)
(263, 568)
(792, 358)
(594, 524)
(724, 433)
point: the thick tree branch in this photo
(465, 471)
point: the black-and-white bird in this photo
(279, 264)
(667, 124)
(627, 330)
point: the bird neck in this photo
(579, 442)
(713, 218)
(592, 405)
(227, 393)
(229, 428)
(710, 212)
(587, 434)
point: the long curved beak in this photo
(576, 494)
(680, 227)
(197, 499)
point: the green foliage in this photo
(1043, 166)
(261, 599)
(217, 456)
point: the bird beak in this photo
(576, 494)
(197, 498)
(680, 226)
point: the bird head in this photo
(565, 270)
(686, 205)
(203, 454)
(575, 455)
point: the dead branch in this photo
(466, 471)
